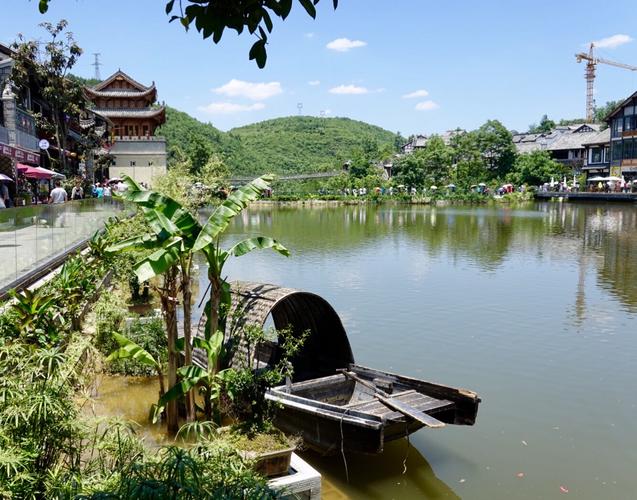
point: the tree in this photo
(496, 144)
(545, 126)
(470, 167)
(212, 17)
(602, 111)
(535, 168)
(48, 68)
(409, 170)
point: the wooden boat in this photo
(333, 403)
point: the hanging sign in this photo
(44, 144)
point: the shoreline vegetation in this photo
(436, 200)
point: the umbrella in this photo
(595, 179)
(115, 179)
(5, 178)
(482, 184)
(612, 178)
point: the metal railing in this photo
(32, 238)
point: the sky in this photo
(414, 66)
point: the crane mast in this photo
(589, 74)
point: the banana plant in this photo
(130, 350)
(208, 380)
(176, 236)
(209, 242)
(173, 233)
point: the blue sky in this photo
(509, 60)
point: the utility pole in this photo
(300, 108)
(97, 65)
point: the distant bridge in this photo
(295, 177)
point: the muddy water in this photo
(533, 308)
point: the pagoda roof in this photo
(150, 91)
(120, 74)
(158, 113)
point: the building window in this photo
(132, 163)
(617, 150)
(596, 157)
(617, 127)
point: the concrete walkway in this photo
(31, 237)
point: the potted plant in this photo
(243, 398)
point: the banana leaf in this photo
(129, 349)
(233, 205)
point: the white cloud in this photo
(314, 83)
(249, 90)
(612, 42)
(426, 106)
(348, 89)
(228, 108)
(416, 93)
(345, 44)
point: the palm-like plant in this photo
(176, 236)
(130, 350)
(40, 320)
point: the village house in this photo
(566, 144)
(136, 150)
(597, 154)
(622, 122)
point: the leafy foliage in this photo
(48, 65)
(535, 168)
(301, 144)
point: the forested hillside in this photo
(307, 144)
(197, 140)
(295, 144)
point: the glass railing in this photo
(35, 236)
(4, 134)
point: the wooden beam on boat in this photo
(466, 401)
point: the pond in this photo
(534, 308)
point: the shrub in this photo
(150, 335)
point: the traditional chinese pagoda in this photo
(136, 150)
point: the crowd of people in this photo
(105, 189)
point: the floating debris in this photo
(563, 489)
(462, 480)
(525, 443)
(520, 474)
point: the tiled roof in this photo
(120, 93)
(602, 137)
(574, 140)
(119, 73)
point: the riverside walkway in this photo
(542, 195)
(35, 238)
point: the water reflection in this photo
(400, 472)
(578, 234)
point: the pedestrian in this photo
(58, 194)
(106, 192)
(77, 193)
(99, 191)
(5, 199)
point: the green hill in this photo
(195, 138)
(295, 144)
(299, 144)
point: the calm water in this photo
(535, 309)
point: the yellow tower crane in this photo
(591, 62)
